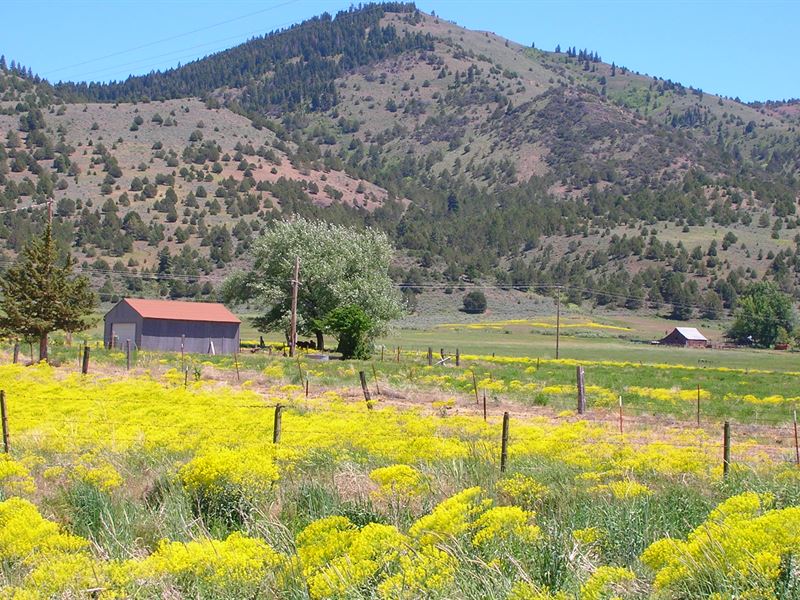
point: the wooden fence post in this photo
(183, 350)
(4, 417)
(458, 357)
(85, 365)
(475, 385)
(185, 376)
(484, 406)
(382, 349)
(276, 424)
(430, 356)
(365, 389)
(581, 390)
(504, 444)
(16, 352)
(796, 444)
(127, 355)
(398, 354)
(375, 375)
(726, 448)
(236, 364)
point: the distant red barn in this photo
(688, 337)
(201, 327)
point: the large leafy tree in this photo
(339, 267)
(42, 295)
(762, 313)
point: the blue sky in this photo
(733, 48)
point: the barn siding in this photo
(122, 313)
(165, 334)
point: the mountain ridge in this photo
(484, 159)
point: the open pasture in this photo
(165, 481)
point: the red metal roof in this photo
(182, 311)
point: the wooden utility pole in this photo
(295, 287)
(558, 319)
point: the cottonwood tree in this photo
(42, 295)
(763, 313)
(339, 267)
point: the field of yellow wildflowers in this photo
(146, 485)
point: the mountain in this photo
(484, 159)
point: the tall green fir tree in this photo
(41, 295)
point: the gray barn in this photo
(209, 328)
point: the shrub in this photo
(475, 302)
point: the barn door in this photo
(121, 332)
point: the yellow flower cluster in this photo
(214, 470)
(533, 324)
(15, 478)
(607, 583)
(738, 549)
(589, 535)
(505, 523)
(668, 395)
(522, 490)
(398, 481)
(229, 564)
(772, 400)
(623, 490)
(571, 362)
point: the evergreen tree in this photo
(41, 296)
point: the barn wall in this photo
(122, 313)
(164, 334)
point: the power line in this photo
(170, 38)
(84, 76)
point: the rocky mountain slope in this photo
(484, 159)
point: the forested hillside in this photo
(485, 160)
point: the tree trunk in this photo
(43, 347)
(320, 341)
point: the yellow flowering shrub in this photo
(336, 557)
(589, 535)
(14, 477)
(522, 490)
(217, 470)
(528, 591)
(421, 573)
(623, 490)
(232, 564)
(607, 583)
(25, 534)
(505, 523)
(453, 517)
(398, 484)
(737, 551)
(96, 472)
